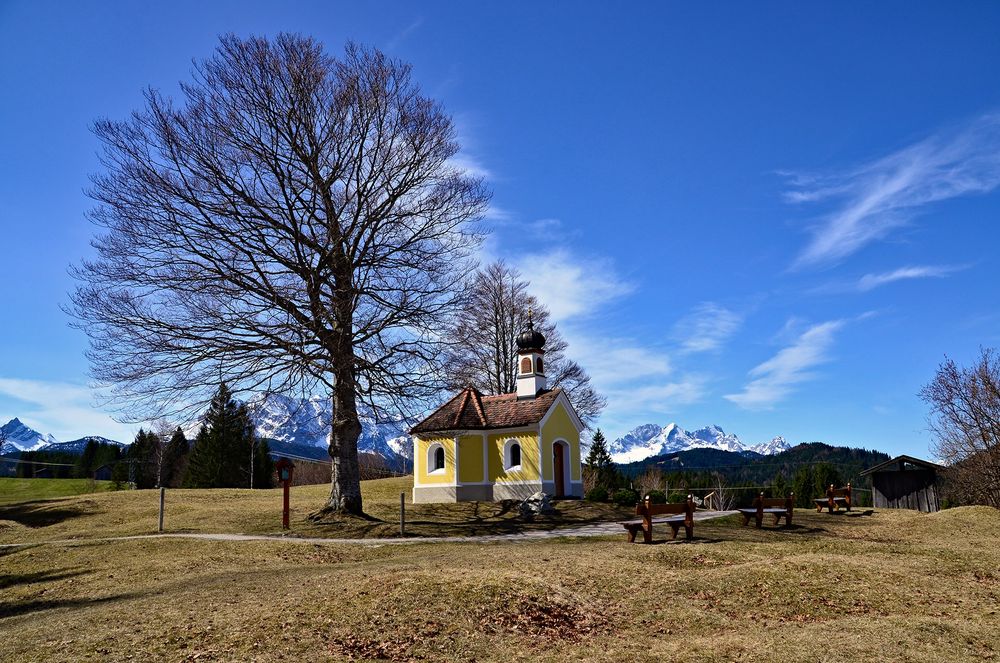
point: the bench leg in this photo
(647, 533)
(788, 520)
(688, 531)
(760, 521)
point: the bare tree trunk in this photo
(345, 482)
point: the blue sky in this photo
(776, 217)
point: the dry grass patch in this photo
(125, 513)
(895, 586)
(817, 593)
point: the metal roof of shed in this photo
(888, 465)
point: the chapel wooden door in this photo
(558, 469)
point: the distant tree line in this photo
(733, 480)
(226, 453)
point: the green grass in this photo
(893, 586)
(13, 491)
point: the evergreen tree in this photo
(600, 464)
(825, 474)
(119, 474)
(263, 466)
(86, 464)
(804, 485)
(221, 454)
(175, 458)
(142, 458)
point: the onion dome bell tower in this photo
(530, 367)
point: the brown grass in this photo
(895, 586)
(127, 513)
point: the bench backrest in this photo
(839, 492)
(787, 503)
(647, 509)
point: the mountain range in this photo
(301, 426)
(307, 422)
(294, 426)
(653, 440)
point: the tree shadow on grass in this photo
(17, 608)
(40, 513)
(8, 580)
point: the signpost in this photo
(285, 468)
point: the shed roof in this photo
(888, 465)
(470, 410)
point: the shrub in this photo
(625, 497)
(598, 494)
(657, 497)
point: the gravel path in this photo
(597, 529)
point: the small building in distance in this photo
(103, 473)
(508, 446)
(905, 482)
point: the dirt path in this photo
(597, 529)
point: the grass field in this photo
(123, 513)
(893, 586)
(23, 490)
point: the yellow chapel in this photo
(492, 448)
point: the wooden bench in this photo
(834, 498)
(779, 507)
(677, 515)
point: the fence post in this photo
(162, 491)
(402, 514)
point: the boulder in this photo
(537, 504)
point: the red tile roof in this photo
(470, 410)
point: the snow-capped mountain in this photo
(653, 440)
(77, 446)
(18, 437)
(775, 446)
(307, 421)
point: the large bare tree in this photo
(294, 223)
(484, 353)
(965, 420)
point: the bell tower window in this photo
(526, 366)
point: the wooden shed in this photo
(905, 482)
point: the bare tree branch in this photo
(483, 352)
(965, 420)
(293, 225)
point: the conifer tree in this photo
(175, 458)
(141, 457)
(221, 454)
(263, 466)
(599, 462)
(85, 465)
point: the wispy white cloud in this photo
(876, 280)
(401, 35)
(872, 281)
(876, 198)
(62, 409)
(470, 165)
(706, 328)
(571, 286)
(637, 378)
(773, 380)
